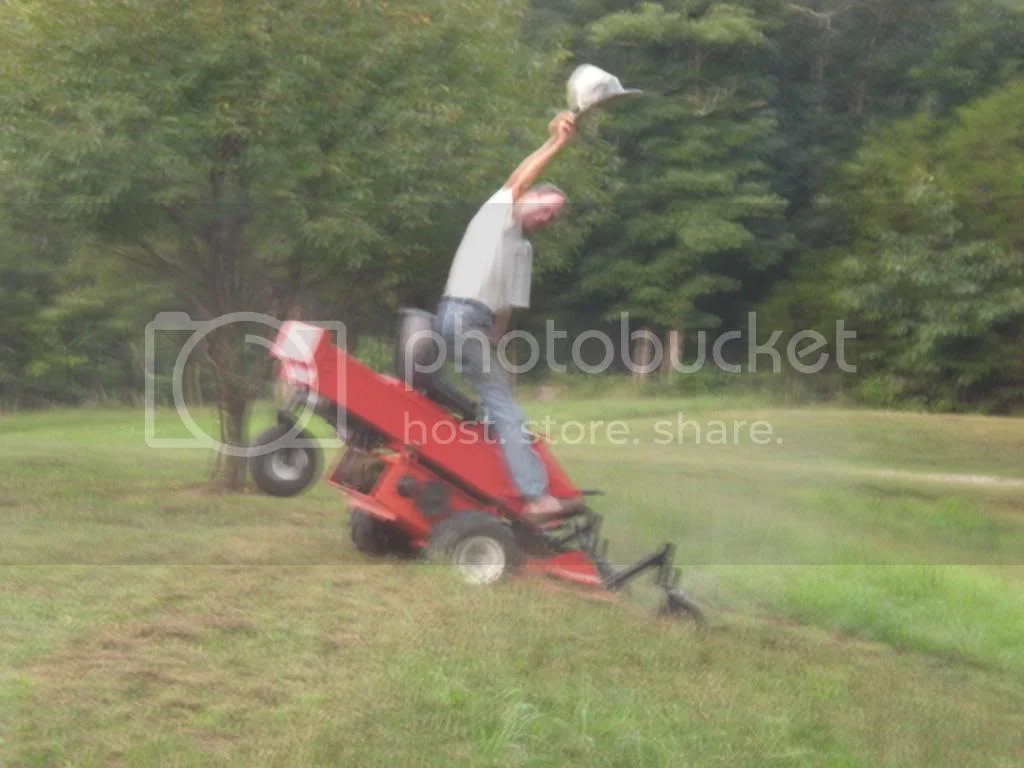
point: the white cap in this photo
(589, 85)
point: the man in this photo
(489, 276)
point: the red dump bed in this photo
(405, 416)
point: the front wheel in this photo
(284, 467)
(482, 548)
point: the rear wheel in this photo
(482, 548)
(288, 467)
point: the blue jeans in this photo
(465, 328)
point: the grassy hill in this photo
(863, 574)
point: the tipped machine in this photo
(421, 472)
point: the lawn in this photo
(863, 573)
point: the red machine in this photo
(422, 472)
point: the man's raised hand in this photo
(523, 177)
(562, 127)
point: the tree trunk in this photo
(673, 351)
(233, 394)
(351, 341)
(129, 388)
(818, 69)
(188, 391)
(197, 371)
(642, 354)
(232, 474)
(859, 98)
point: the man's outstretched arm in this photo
(523, 177)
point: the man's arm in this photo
(523, 177)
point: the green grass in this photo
(857, 618)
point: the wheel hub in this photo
(479, 559)
(288, 464)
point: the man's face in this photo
(538, 209)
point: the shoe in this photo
(548, 508)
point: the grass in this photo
(864, 612)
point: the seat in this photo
(416, 355)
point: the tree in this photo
(693, 219)
(932, 275)
(27, 288)
(976, 48)
(872, 192)
(983, 165)
(244, 153)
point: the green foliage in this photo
(265, 157)
(27, 283)
(285, 136)
(983, 165)
(689, 221)
(815, 159)
(933, 275)
(73, 327)
(977, 48)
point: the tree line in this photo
(807, 161)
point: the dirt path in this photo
(906, 475)
(931, 477)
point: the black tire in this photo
(483, 548)
(288, 469)
(376, 538)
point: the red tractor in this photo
(422, 475)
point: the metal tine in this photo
(665, 572)
(664, 575)
(587, 541)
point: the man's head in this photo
(539, 205)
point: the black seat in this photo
(416, 354)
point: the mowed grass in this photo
(863, 611)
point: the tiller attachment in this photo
(583, 539)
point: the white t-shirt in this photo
(494, 262)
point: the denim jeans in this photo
(465, 328)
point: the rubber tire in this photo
(376, 538)
(446, 536)
(261, 466)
